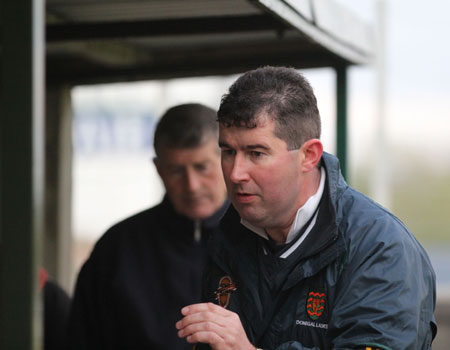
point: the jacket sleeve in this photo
(385, 295)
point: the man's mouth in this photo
(244, 197)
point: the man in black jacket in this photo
(303, 261)
(145, 268)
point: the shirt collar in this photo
(304, 213)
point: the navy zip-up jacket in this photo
(360, 279)
(140, 274)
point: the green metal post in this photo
(341, 107)
(21, 171)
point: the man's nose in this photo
(192, 181)
(239, 170)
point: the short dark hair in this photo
(281, 93)
(185, 126)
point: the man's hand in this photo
(212, 324)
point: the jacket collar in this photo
(336, 183)
(175, 220)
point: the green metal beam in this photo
(341, 114)
(21, 171)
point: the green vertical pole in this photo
(341, 111)
(21, 171)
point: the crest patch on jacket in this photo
(223, 293)
(315, 304)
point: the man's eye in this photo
(256, 154)
(202, 167)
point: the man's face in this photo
(193, 179)
(263, 178)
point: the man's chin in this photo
(251, 217)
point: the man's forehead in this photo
(205, 149)
(248, 138)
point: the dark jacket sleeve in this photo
(385, 296)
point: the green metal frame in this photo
(341, 114)
(21, 172)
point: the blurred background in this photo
(398, 141)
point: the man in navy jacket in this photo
(303, 261)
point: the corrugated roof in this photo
(132, 10)
(91, 41)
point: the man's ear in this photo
(312, 151)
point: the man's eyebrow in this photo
(257, 147)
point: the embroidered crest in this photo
(223, 293)
(315, 304)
